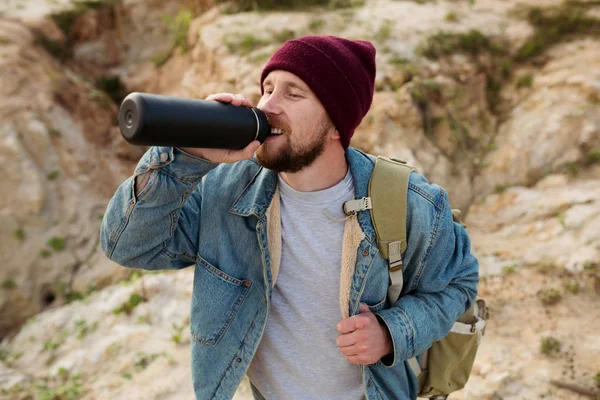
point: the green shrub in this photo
(472, 42)
(64, 386)
(572, 287)
(112, 86)
(266, 5)
(52, 175)
(510, 269)
(525, 81)
(549, 296)
(57, 243)
(127, 307)
(9, 284)
(592, 157)
(451, 17)
(245, 44)
(45, 253)
(554, 25)
(179, 27)
(19, 234)
(550, 346)
(65, 19)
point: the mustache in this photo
(277, 122)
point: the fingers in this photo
(235, 99)
(245, 154)
(351, 324)
(349, 339)
(364, 308)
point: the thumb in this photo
(364, 308)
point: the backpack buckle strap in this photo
(395, 255)
(351, 207)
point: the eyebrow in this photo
(287, 84)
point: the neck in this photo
(326, 171)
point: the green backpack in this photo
(445, 367)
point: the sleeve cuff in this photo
(186, 168)
(402, 334)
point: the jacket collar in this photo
(257, 195)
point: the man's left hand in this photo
(363, 339)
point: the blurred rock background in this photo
(496, 100)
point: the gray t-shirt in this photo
(297, 357)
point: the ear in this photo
(334, 134)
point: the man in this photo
(287, 288)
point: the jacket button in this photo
(369, 383)
(247, 283)
(239, 360)
(365, 252)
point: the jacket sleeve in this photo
(440, 275)
(157, 227)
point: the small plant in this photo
(550, 346)
(45, 253)
(549, 296)
(451, 17)
(315, 24)
(572, 287)
(4, 40)
(56, 48)
(525, 81)
(65, 19)
(499, 189)
(52, 175)
(49, 346)
(128, 306)
(57, 243)
(592, 157)
(472, 42)
(54, 133)
(284, 35)
(176, 337)
(384, 32)
(245, 44)
(179, 27)
(19, 234)
(127, 375)
(9, 284)
(561, 219)
(547, 267)
(143, 360)
(64, 386)
(510, 269)
(554, 25)
(83, 329)
(112, 86)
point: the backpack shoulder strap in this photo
(388, 190)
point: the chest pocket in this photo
(216, 299)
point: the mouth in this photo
(277, 131)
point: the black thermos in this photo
(154, 120)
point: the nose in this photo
(270, 104)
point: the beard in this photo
(292, 158)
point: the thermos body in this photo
(155, 120)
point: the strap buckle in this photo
(351, 207)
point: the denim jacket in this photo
(224, 219)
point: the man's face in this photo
(293, 108)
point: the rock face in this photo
(515, 142)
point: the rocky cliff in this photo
(498, 102)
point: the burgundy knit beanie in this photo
(339, 71)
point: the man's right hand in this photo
(225, 155)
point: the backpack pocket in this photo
(448, 362)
